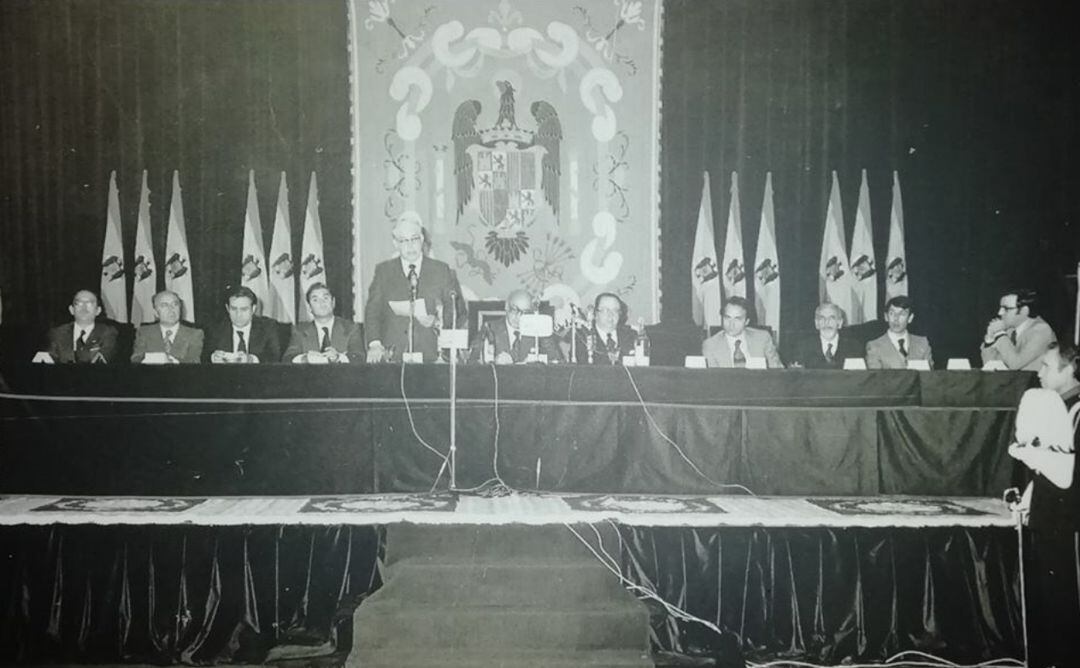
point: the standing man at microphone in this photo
(426, 285)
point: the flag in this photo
(177, 259)
(733, 268)
(704, 276)
(113, 283)
(142, 299)
(767, 265)
(312, 268)
(253, 258)
(863, 267)
(834, 275)
(896, 282)
(282, 302)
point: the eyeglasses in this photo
(516, 310)
(1008, 308)
(409, 240)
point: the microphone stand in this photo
(412, 309)
(573, 334)
(453, 398)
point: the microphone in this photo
(453, 313)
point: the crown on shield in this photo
(492, 136)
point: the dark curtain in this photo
(832, 596)
(973, 102)
(211, 88)
(179, 595)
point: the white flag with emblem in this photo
(312, 268)
(704, 275)
(733, 267)
(145, 270)
(177, 258)
(834, 274)
(896, 279)
(864, 283)
(113, 281)
(282, 302)
(253, 258)
(767, 265)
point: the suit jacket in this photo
(625, 335)
(1028, 351)
(263, 342)
(187, 345)
(549, 345)
(436, 282)
(345, 337)
(758, 341)
(808, 352)
(882, 354)
(101, 340)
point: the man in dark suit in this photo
(409, 278)
(611, 338)
(179, 343)
(736, 343)
(830, 347)
(897, 346)
(510, 346)
(327, 338)
(85, 340)
(244, 338)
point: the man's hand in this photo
(426, 320)
(247, 358)
(375, 353)
(504, 358)
(219, 357)
(332, 355)
(171, 359)
(994, 327)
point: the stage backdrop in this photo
(524, 135)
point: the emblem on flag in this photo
(311, 266)
(735, 271)
(834, 269)
(112, 268)
(176, 266)
(767, 272)
(251, 268)
(896, 270)
(863, 268)
(706, 270)
(144, 268)
(283, 266)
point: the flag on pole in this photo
(864, 281)
(896, 281)
(767, 265)
(733, 268)
(704, 276)
(282, 302)
(113, 284)
(142, 300)
(312, 268)
(253, 258)
(177, 258)
(834, 274)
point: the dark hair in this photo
(622, 305)
(741, 302)
(1067, 353)
(1025, 297)
(312, 288)
(902, 302)
(232, 292)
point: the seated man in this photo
(85, 340)
(509, 345)
(179, 343)
(327, 338)
(735, 343)
(244, 338)
(830, 347)
(1017, 336)
(611, 338)
(897, 346)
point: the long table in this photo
(303, 430)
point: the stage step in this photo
(497, 596)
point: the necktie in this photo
(903, 348)
(611, 345)
(413, 278)
(829, 352)
(241, 346)
(325, 340)
(168, 341)
(738, 357)
(1012, 337)
(515, 347)
(81, 343)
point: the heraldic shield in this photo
(507, 185)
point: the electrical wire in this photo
(412, 424)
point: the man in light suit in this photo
(897, 346)
(244, 338)
(84, 340)
(1017, 336)
(327, 338)
(179, 343)
(830, 347)
(736, 343)
(410, 277)
(509, 345)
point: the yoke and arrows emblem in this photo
(504, 170)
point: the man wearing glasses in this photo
(1017, 336)
(411, 277)
(511, 346)
(612, 338)
(829, 347)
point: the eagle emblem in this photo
(503, 172)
